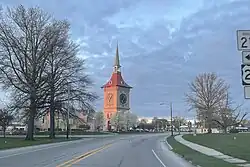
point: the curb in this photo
(180, 156)
(169, 146)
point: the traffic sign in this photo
(247, 92)
(246, 57)
(243, 40)
(245, 70)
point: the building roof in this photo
(116, 77)
(116, 80)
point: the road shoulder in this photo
(195, 157)
(163, 150)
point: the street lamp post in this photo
(171, 117)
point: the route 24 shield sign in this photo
(245, 70)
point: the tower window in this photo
(110, 82)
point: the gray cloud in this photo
(163, 44)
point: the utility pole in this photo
(179, 126)
(68, 112)
(171, 115)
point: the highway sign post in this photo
(247, 92)
(243, 44)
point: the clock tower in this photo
(116, 93)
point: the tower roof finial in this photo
(117, 61)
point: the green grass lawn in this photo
(196, 157)
(225, 143)
(9, 142)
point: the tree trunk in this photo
(58, 121)
(209, 128)
(52, 117)
(52, 121)
(30, 135)
(4, 132)
(31, 121)
(209, 123)
(225, 129)
(52, 105)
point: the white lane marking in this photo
(40, 149)
(156, 156)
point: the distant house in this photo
(17, 126)
(43, 123)
(247, 125)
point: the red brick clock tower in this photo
(116, 93)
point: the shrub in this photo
(233, 131)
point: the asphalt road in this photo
(147, 150)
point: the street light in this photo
(171, 117)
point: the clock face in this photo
(123, 98)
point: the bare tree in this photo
(27, 38)
(155, 122)
(163, 123)
(190, 126)
(245, 122)
(66, 71)
(99, 120)
(227, 115)
(5, 119)
(117, 120)
(207, 92)
(178, 121)
(130, 120)
(143, 123)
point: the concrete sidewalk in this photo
(211, 152)
(39, 147)
(51, 145)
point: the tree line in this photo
(40, 67)
(120, 120)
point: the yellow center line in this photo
(83, 156)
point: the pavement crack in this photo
(120, 163)
(138, 142)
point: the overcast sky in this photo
(163, 44)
